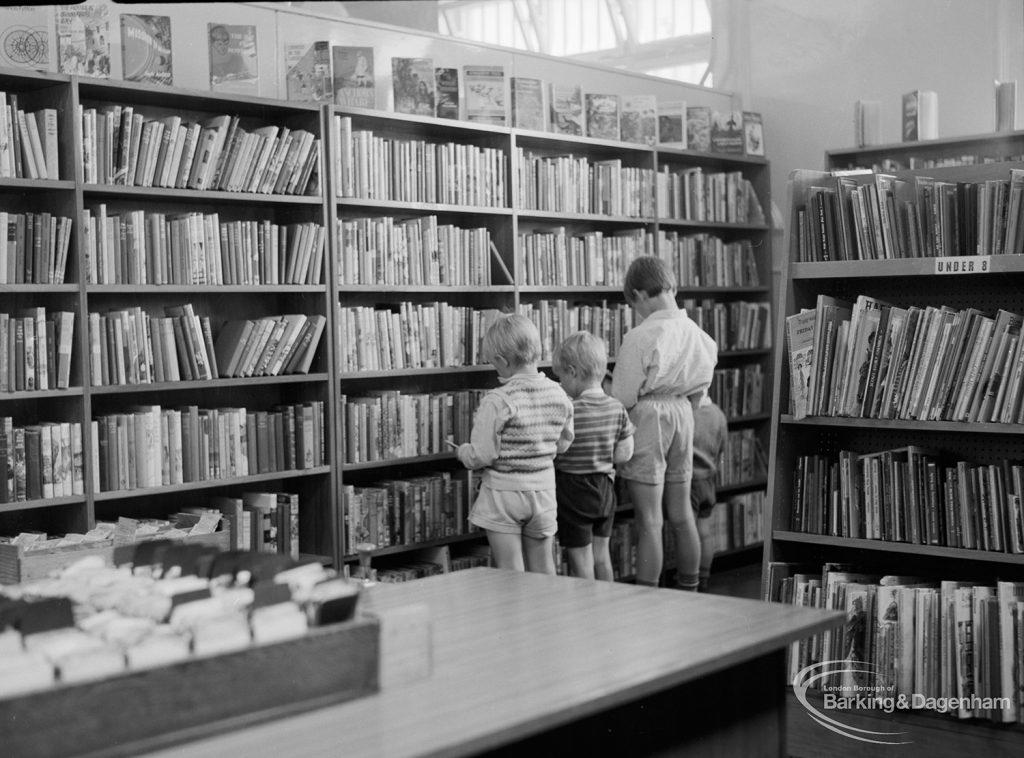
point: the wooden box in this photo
(135, 712)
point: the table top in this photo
(518, 653)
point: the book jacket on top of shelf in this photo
(638, 121)
(527, 103)
(353, 76)
(672, 123)
(25, 40)
(1006, 106)
(233, 58)
(920, 115)
(146, 48)
(753, 133)
(567, 109)
(446, 81)
(485, 94)
(412, 80)
(602, 116)
(83, 39)
(727, 132)
(308, 72)
(698, 128)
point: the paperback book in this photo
(567, 109)
(233, 58)
(527, 103)
(602, 116)
(83, 39)
(308, 72)
(446, 91)
(26, 37)
(485, 94)
(413, 84)
(146, 48)
(698, 128)
(638, 122)
(920, 115)
(727, 132)
(753, 133)
(353, 76)
(672, 123)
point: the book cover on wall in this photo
(146, 48)
(753, 133)
(83, 39)
(412, 80)
(1006, 106)
(698, 128)
(602, 116)
(485, 94)
(353, 76)
(446, 90)
(527, 103)
(638, 121)
(920, 115)
(233, 58)
(567, 109)
(25, 40)
(727, 132)
(308, 72)
(672, 123)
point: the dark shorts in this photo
(586, 507)
(703, 496)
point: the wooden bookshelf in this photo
(970, 149)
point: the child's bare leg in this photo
(540, 557)
(581, 561)
(603, 560)
(506, 550)
(646, 500)
(684, 524)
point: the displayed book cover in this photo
(1006, 106)
(412, 80)
(672, 123)
(920, 115)
(753, 133)
(233, 58)
(602, 116)
(638, 121)
(727, 132)
(446, 90)
(567, 109)
(83, 39)
(308, 72)
(146, 48)
(698, 128)
(527, 103)
(485, 94)
(867, 118)
(25, 40)
(353, 76)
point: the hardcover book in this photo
(639, 119)
(727, 132)
(308, 76)
(920, 115)
(567, 109)
(753, 133)
(83, 39)
(698, 128)
(413, 84)
(527, 103)
(27, 42)
(353, 76)
(233, 58)
(446, 91)
(602, 116)
(672, 123)
(485, 94)
(146, 48)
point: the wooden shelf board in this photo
(901, 548)
(270, 476)
(165, 193)
(205, 384)
(47, 502)
(958, 427)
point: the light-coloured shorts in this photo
(531, 513)
(663, 443)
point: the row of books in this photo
(577, 184)
(263, 522)
(557, 319)
(948, 645)
(588, 259)
(691, 194)
(706, 260)
(35, 349)
(389, 424)
(742, 460)
(417, 335)
(735, 325)
(415, 171)
(121, 147)
(42, 460)
(738, 522)
(911, 494)
(33, 248)
(407, 511)
(871, 359)
(415, 251)
(739, 391)
(137, 247)
(269, 346)
(152, 446)
(29, 142)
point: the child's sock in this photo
(645, 583)
(687, 582)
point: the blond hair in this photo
(513, 337)
(583, 352)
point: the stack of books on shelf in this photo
(743, 460)
(40, 460)
(33, 248)
(35, 349)
(589, 259)
(29, 142)
(739, 391)
(735, 325)
(706, 260)
(694, 195)
(557, 319)
(121, 147)
(738, 522)
(575, 184)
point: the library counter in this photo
(533, 664)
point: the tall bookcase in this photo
(438, 306)
(986, 282)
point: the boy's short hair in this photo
(649, 274)
(514, 337)
(584, 352)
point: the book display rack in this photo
(936, 153)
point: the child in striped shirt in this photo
(585, 472)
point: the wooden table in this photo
(528, 664)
